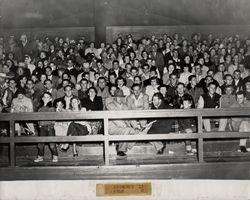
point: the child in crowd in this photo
(46, 128)
(188, 125)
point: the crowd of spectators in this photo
(149, 73)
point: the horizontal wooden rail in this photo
(105, 116)
(130, 114)
(102, 138)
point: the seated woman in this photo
(93, 103)
(77, 128)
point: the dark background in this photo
(102, 13)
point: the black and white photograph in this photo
(125, 99)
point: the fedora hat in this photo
(119, 93)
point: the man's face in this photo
(145, 69)
(197, 68)
(120, 83)
(229, 80)
(153, 82)
(156, 101)
(221, 68)
(173, 79)
(229, 90)
(180, 89)
(241, 67)
(116, 65)
(134, 73)
(211, 89)
(193, 81)
(86, 66)
(208, 80)
(23, 38)
(30, 84)
(201, 61)
(48, 71)
(137, 90)
(128, 68)
(102, 83)
(186, 104)
(237, 75)
(240, 99)
(112, 79)
(187, 59)
(48, 85)
(92, 93)
(163, 91)
(247, 86)
(70, 63)
(12, 84)
(68, 91)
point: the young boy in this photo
(188, 125)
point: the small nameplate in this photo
(124, 189)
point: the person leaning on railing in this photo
(209, 100)
(241, 124)
(46, 128)
(188, 125)
(160, 125)
(122, 127)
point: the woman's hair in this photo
(56, 102)
(49, 104)
(79, 105)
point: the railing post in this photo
(12, 144)
(106, 141)
(200, 140)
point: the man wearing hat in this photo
(122, 127)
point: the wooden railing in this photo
(105, 116)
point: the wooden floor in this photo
(141, 154)
(221, 161)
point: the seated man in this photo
(161, 125)
(209, 100)
(241, 124)
(122, 127)
(227, 100)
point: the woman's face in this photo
(75, 104)
(46, 99)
